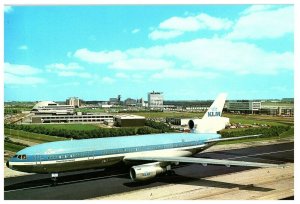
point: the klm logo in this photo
(214, 112)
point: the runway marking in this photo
(48, 185)
(251, 155)
(93, 178)
(20, 189)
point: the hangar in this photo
(129, 121)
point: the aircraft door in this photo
(38, 159)
(91, 155)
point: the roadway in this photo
(95, 183)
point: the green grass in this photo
(168, 114)
(32, 137)
(13, 147)
(84, 127)
(260, 119)
(285, 135)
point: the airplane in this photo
(146, 155)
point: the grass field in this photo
(168, 114)
(285, 135)
(243, 119)
(64, 126)
(260, 119)
(13, 147)
(29, 136)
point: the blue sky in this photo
(187, 52)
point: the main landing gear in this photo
(169, 171)
(54, 177)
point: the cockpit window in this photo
(23, 156)
(15, 156)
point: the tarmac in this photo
(191, 181)
(269, 184)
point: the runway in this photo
(90, 184)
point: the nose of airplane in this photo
(7, 164)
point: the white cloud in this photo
(18, 69)
(257, 8)
(68, 70)
(213, 23)
(60, 66)
(99, 57)
(137, 76)
(108, 80)
(176, 26)
(262, 23)
(22, 80)
(122, 75)
(23, 47)
(195, 23)
(158, 34)
(224, 55)
(134, 31)
(74, 74)
(21, 74)
(205, 55)
(182, 74)
(8, 9)
(141, 64)
(181, 24)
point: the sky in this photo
(187, 52)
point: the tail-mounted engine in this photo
(208, 125)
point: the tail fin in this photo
(215, 110)
(212, 120)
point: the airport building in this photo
(73, 101)
(130, 102)
(178, 121)
(129, 121)
(277, 108)
(101, 118)
(155, 100)
(52, 108)
(115, 101)
(243, 106)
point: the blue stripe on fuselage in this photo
(108, 146)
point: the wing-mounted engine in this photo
(208, 125)
(145, 172)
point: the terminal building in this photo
(277, 108)
(260, 107)
(101, 118)
(52, 108)
(243, 106)
(155, 100)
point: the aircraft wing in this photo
(203, 161)
(232, 138)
